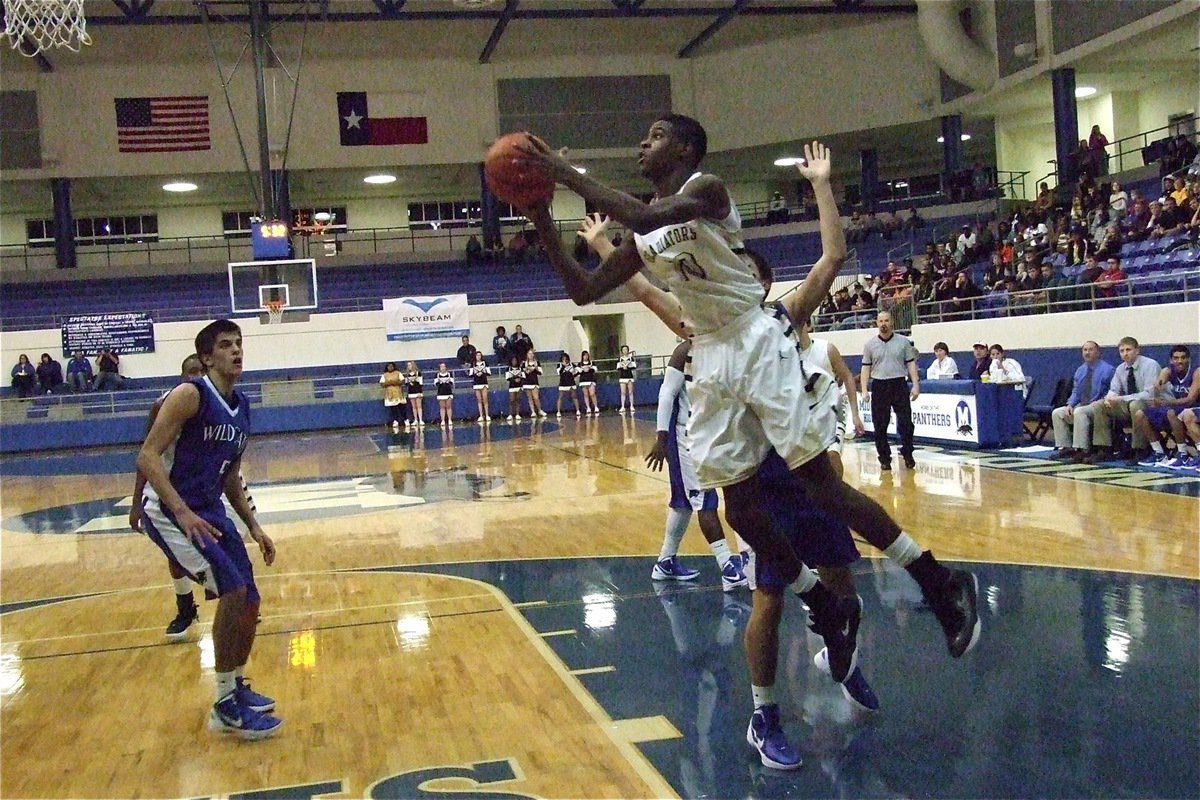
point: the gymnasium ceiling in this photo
(125, 31)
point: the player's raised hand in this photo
(816, 165)
(593, 225)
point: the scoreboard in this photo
(271, 238)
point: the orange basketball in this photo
(510, 180)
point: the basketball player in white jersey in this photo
(751, 391)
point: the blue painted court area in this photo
(1086, 684)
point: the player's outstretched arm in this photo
(804, 301)
(703, 197)
(241, 506)
(663, 304)
(181, 405)
(584, 286)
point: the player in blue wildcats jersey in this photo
(191, 459)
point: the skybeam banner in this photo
(408, 318)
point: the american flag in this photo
(162, 124)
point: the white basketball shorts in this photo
(750, 391)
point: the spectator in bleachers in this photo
(1073, 421)
(986, 237)
(1118, 199)
(24, 376)
(1110, 283)
(1085, 283)
(962, 294)
(1097, 146)
(1084, 167)
(518, 247)
(1132, 383)
(49, 375)
(842, 302)
(872, 225)
(1003, 369)
(79, 372)
(1193, 226)
(474, 249)
(108, 370)
(1109, 245)
(777, 210)
(943, 367)
(1141, 219)
(466, 352)
(1045, 198)
(519, 344)
(964, 250)
(1057, 289)
(855, 232)
(1097, 221)
(996, 270)
(891, 225)
(1177, 388)
(1186, 150)
(915, 220)
(500, 346)
(1170, 221)
(392, 381)
(981, 363)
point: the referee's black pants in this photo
(888, 395)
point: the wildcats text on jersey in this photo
(225, 432)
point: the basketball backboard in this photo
(253, 284)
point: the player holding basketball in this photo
(201, 430)
(751, 391)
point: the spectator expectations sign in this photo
(121, 333)
(408, 318)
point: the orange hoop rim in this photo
(274, 306)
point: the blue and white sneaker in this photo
(732, 576)
(230, 716)
(1184, 461)
(765, 735)
(1150, 460)
(251, 699)
(855, 687)
(669, 569)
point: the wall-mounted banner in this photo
(121, 333)
(408, 318)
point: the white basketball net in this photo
(45, 24)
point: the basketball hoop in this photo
(275, 309)
(45, 24)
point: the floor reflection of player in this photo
(706, 636)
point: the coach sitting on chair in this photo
(1132, 382)
(1073, 422)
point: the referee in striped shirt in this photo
(888, 358)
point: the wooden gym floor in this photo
(471, 610)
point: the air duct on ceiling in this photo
(956, 53)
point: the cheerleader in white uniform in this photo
(479, 372)
(416, 389)
(586, 371)
(533, 391)
(444, 382)
(625, 368)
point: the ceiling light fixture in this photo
(380, 179)
(180, 186)
(1084, 91)
(788, 161)
(581, 170)
(966, 137)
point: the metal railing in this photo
(1133, 145)
(1135, 290)
(1012, 188)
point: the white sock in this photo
(1157, 447)
(240, 672)
(1190, 449)
(677, 525)
(720, 551)
(904, 550)
(741, 543)
(763, 695)
(182, 585)
(225, 684)
(806, 581)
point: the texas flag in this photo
(381, 123)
